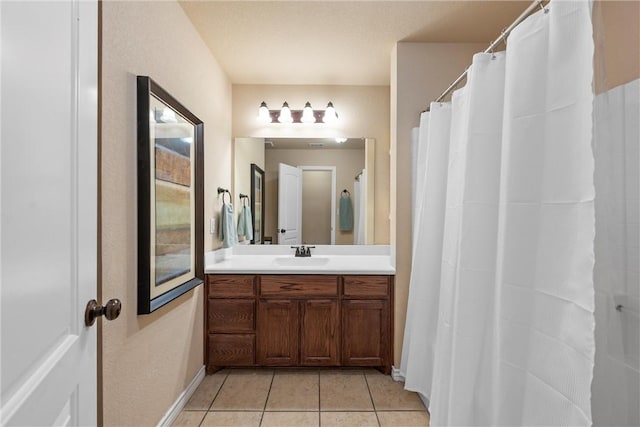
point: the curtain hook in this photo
(544, 9)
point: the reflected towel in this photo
(346, 213)
(245, 223)
(227, 231)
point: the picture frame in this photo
(170, 161)
(257, 204)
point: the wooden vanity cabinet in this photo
(230, 327)
(299, 320)
(367, 326)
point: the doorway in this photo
(318, 204)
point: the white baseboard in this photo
(396, 375)
(182, 400)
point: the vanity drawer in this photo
(231, 350)
(366, 286)
(303, 286)
(231, 315)
(231, 286)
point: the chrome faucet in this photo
(303, 251)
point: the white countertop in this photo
(279, 259)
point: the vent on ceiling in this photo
(316, 144)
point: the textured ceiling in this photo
(335, 42)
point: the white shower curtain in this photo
(467, 301)
(616, 381)
(514, 330)
(422, 310)
(415, 135)
(359, 208)
(545, 257)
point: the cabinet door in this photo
(319, 334)
(365, 332)
(277, 333)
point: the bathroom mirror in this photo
(170, 197)
(326, 168)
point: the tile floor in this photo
(302, 397)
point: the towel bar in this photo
(224, 191)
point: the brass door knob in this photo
(110, 311)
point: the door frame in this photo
(331, 169)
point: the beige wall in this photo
(363, 111)
(149, 360)
(617, 39)
(420, 72)
(348, 164)
(316, 207)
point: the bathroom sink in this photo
(292, 261)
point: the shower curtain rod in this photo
(528, 11)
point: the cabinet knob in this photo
(282, 230)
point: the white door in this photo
(289, 205)
(48, 230)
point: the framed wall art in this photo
(170, 198)
(257, 203)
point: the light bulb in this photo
(307, 114)
(330, 115)
(285, 114)
(341, 140)
(263, 113)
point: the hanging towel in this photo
(245, 223)
(346, 212)
(227, 231)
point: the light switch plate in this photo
(212, 226)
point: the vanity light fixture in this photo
(286, 115)
(263, 113)
(330, 115)
(307, 114)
